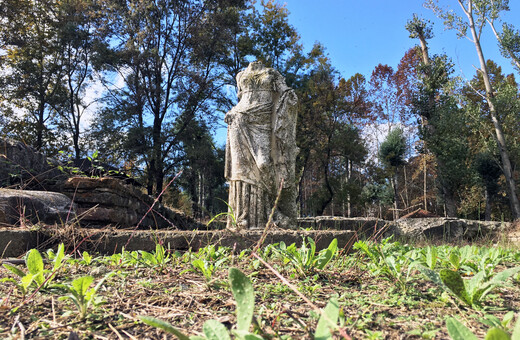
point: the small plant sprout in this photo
(469, 291)
(81, 294)
(229, 214)
(305, 259)
(213, 330)
(36, 275)
(158, 259)
(86, 258)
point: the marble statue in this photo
(261, 149)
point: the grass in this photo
(380, 290)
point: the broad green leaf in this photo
(214, 330)
(454, 259)
(497, 334)
(165, 326)
(34, 262)
(309, 252)
(506, 320)
(81, 284)
(501, 277)
(252, 337)
(327, 254)
(455, 284)
(159, 253)
(430, 274)
(516, 330)
(27, 280)
(431, 257)
(60, 255)
(458, 331)
(14, 270)
(244, 296)
(328, 320)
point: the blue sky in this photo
(358, 35)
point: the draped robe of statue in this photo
(261, 149)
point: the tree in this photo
(489, 172)
(32, 67)
(433, 103)
(482, 140)
(203, 170)
(77, 40)
(330, 143)
(477, 13)
(276, 41)
(170, 55)
(391, 154)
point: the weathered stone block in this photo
(19, 206)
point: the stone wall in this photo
(108, 201)
(438, 228)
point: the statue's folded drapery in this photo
(261, 148)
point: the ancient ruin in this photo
(261, 149)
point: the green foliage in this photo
(86, 258)
(498, 330)
(158, 259)
(36, 276)
(389, 260)
(207, 260)
(328, 320)
(305, 259)
(510, 44)
(228, 214)
(393, 149)
(419, 28)
(81, 294)
(245, 298)
(165, 326)
(213, 330)
(243, 293)
(471, 291)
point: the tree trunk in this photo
(40, 124)
(499, 134)
(487, 212)
(425, 187)
(396, 196)
(450, 205)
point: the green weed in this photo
(305, 259)
(81, 294)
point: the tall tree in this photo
(328, 106)
(507, 102)
(32, 66)
(433, 105)
(391, 154)
(77, 40)
(477, 12)
(173, 53)
(277, 43)
(203, 170)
